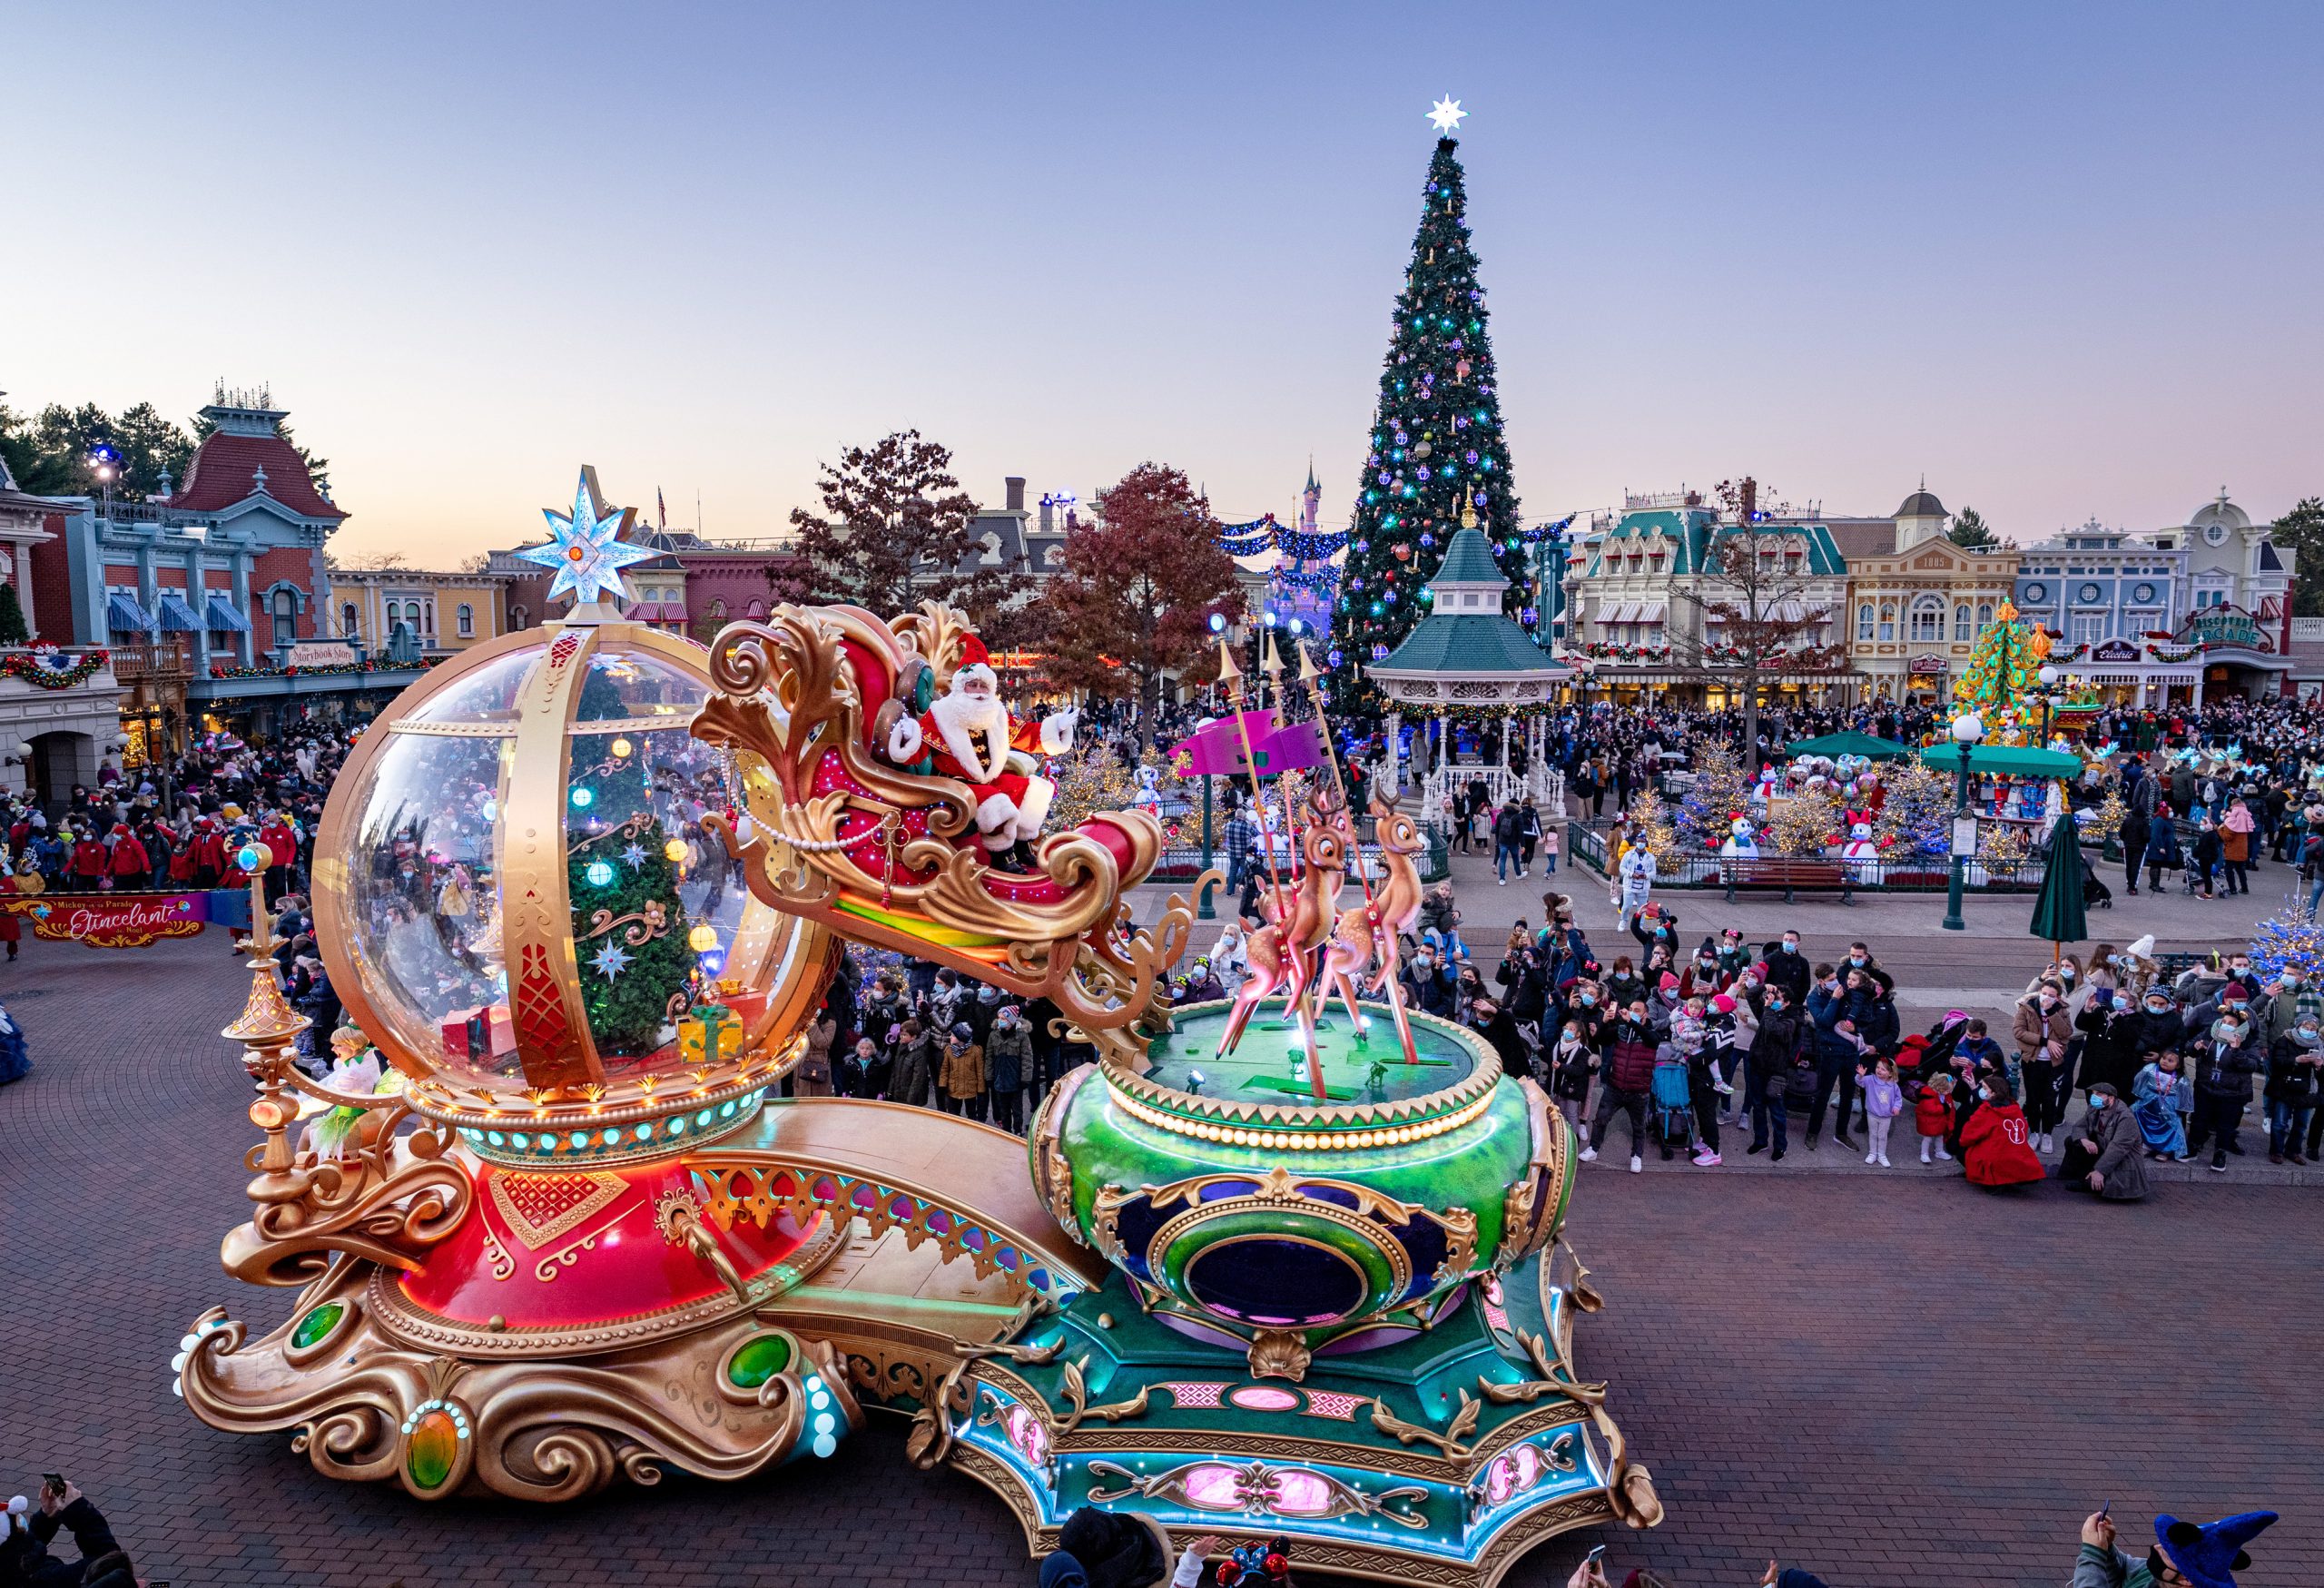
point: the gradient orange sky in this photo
(2062, 259)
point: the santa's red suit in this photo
(968, 733)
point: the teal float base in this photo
(1438, 1459)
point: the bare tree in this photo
(1761, 619)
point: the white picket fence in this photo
(1546, 784)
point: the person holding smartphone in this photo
(24, 1552)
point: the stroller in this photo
(2095, 893)
(1923, 1056)
(1674, 1103)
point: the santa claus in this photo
(970, 735)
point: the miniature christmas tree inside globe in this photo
(517, 891)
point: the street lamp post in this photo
(1967, 729)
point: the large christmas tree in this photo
(629, 925)
(1435, 459)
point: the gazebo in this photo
(1467, 654)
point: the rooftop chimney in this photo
(1016, 484)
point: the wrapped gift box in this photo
(483, 1032)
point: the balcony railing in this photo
(152, 664)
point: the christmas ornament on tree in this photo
(1437, 383)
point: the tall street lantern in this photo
(1967, 729)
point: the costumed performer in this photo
(971, 734)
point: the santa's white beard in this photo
(976, 732)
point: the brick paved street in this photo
(1894, 1381)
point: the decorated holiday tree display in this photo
(2288, 941)
(622, 867)
(2005, 667)
(1721, 790)
(1090, 777)
(1805, 824)
(1912, 823)
(1435, 459)
(1650, 827)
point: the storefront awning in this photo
(1652, 611)
(177, 617)
(123, 613)
(1619, 612)
(223, 616)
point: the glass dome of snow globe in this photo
(514, 892)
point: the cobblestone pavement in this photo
(1897, 1383)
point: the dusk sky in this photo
(2063, 259)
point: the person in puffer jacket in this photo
(1629, 1082)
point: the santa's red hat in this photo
(974, 653)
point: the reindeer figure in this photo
(1368, 932)
(1298, 918)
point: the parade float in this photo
(551, 1221)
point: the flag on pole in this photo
(661, 511)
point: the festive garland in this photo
(330, 670)
(2177, 654)
(29, 667)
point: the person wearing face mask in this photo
(1996, 1150)
(1428, 986)
(2107, 1155)
(1008, 1051)
(1768, 1074)
(2042, 1029)
(1785, 968)
(2163, 1098)
(1629, 1082)
(1572, 1061)
(2294, 1063)
(2223, 1083)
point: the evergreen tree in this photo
(12, 618)
(1435, 459)
(1915, 815)
(1721, 791)
(629, 925)
(1971, 532)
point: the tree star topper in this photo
(587, 549)
(1447, 114)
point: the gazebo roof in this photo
(1468, 644)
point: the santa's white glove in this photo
(903, 740)
(1057, 731)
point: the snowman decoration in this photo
(1770, 780)
(1740, 840)
(1149, 792)
(1859, 851)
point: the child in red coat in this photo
(1994, 1140)
(1933, 1117)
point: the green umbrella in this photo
(2057, 914)
(1849, 743)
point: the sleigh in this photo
(830, 830)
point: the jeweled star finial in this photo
(1447, 114)
(586, 549)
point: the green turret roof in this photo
(1469, 561)
(1472, 642)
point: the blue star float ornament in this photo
(586, 549)
(635, 857)
(610, 961)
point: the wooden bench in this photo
(1788, 872)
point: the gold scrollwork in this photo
(1448, 1444)
(566, 1256)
